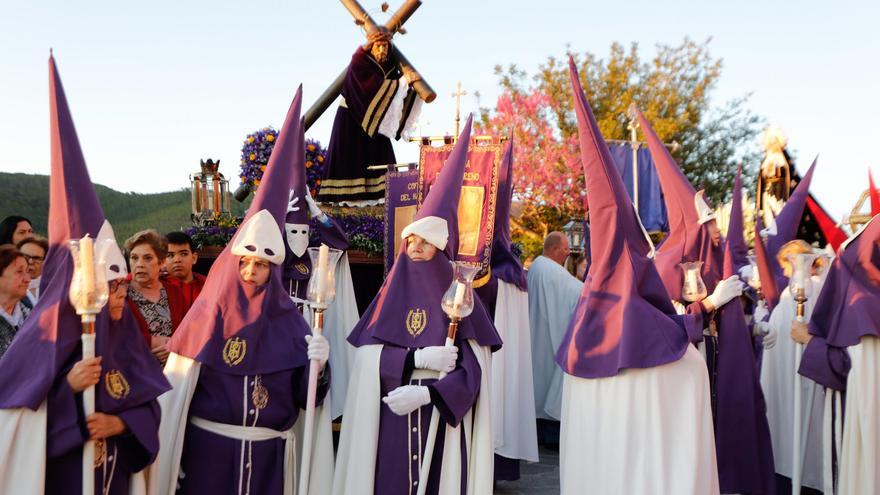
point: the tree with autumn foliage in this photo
(673, 90)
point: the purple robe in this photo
(229, 399)
(354, 142)
(297, 270)
(402, 438)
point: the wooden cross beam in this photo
(394, 25)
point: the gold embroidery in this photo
(260, 395)
(116, 384)
(302, 268)
(234, 351)
(100, 452)
(416, 321)
(353, 182)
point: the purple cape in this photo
(229, 311)
(848, 307)
(742, 434)
(505, 265)
(688, 240)
(624, 318)
(49, 341)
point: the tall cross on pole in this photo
(457, 95)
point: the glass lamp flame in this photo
(322, 285)
(693, 289)
(88, 287)
(800, 284)
(754, 280)
(458, 301)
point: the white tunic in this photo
(642, 431)
(860, 455)
(513, 412)
(777, 381)
(553, 295)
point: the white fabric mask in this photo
(260, 237)
(297, 237)
(108, 252)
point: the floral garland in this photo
(214, 235)
(257, 149)
(315, 156)
(255, 154)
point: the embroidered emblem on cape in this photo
(260, 395)
(100, 453)
(234, 351)
(116, 384)
(416, 321)
(302, 268)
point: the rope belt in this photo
(258, 434)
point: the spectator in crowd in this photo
(14, 228)
(14, 306)
(179, 263)
(157, 306)
(34, 250)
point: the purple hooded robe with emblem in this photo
(267, 331)
(742, 434)
(297, 270)
(848, 308)
(624, 318)
(48, 345)
(419, 286)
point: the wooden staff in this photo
(800, 298)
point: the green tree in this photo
(673, 89)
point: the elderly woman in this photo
(14, 307)
(34, 250)
(14, 228)
(157, 306)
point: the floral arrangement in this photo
(257, 149)
(255, 154)
(365, 232)
(315, 157)
(214, 235)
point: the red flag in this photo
(875, 195)
(827, 225)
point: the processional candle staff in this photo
(801, 287)
(320, 293)
(88, 295)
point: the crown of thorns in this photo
(379, 36)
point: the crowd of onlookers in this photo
(160, 288)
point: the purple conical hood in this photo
(688, 239)
(736, 240)
(624, 318)
(506, 265)
(295, 158)
(767, 268)
(442, 199)
(848, 307)
(49, 340)
(742, 434)
(789, 218)
(229, 311)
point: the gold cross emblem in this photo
(234, 351)
(416, 321)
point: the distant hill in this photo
(28, 195)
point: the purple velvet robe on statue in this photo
(355, 143)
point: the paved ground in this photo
(541, 478)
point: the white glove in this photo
(761, 311)
(313, 207)
(726, 290)
(438, 358)
(407, 398)
(319, 348)
(769, 338)
(745, 273)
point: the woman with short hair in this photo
(14, 281)
(156, 305)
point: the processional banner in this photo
(476, 207)
(401, 204)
